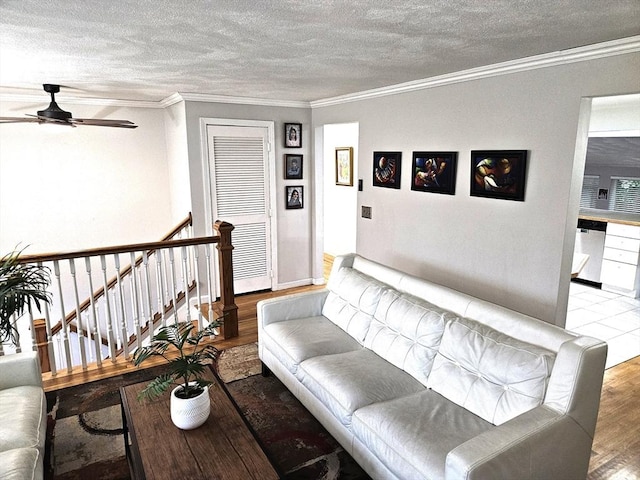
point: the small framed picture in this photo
(344, 166)
(434, 172)
(294, 196)
(498, 174)
(293, 167)
(386, 169)
(293, 135)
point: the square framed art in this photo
(294, 196)
(293, 167)
(344, 166)
(386, 169)
(434, 172)
(293, 135)
(498, 174)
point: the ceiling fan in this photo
(53, 114)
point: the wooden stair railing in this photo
(43, 334)
(126, 271)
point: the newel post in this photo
(227, 297)
(42, 345)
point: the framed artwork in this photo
(293, 167)
(386, 169)
(344, 166)
(434, 172)
(293, 135)
(498, 174)
(294, 196)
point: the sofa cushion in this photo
(489, 373)
(21, 417)
(293, 341)
(406, 331)
(347, 381)
(412, 435)
(21, 464)
(352, 301)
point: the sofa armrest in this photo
(541, 443)
(289, 307)
(20, 369)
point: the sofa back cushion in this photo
(406, 331)
(489, 373)
(352, 300)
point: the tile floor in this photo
(608, 316)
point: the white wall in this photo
(340, 201)
(517, 254)
(178, 161)
(67, 188)
(294, 226)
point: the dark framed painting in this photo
(293, 135)
(293, 167)
(386, 169)
(498, 174)
(344, 166)
(434, 172)
(294, 196)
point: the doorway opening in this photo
(604, 295)
(340, 201)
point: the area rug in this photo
(87, 440)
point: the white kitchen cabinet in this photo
(620, 271)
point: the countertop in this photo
(609, 216)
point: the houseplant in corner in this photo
(180, 344)
(20, 284)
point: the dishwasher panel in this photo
(590, 241)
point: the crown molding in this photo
(203, 97)
(65, 99)
(562, 57)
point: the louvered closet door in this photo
(239, 175)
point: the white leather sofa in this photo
(418, 381)
(23, 417)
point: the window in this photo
(624, 195)
(589, 191)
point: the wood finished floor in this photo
(616, 446)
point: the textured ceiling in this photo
(283, 50)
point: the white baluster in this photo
(109, 318)
(65, 329)
(147, 296)
(50, 351)
(207, 251)
(97, 340)
(160, 285)
(135, 300)
(81, 331)
(172, 268)
(196, 270)
(120, 304)
(185, 281)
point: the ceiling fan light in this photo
(55, 112)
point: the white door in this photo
(240, 193)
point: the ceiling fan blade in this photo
(103, 122)
(56, 115)
(18, 120)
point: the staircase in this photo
(129, 291)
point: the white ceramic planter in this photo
(190, 413)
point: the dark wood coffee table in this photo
(224, 447)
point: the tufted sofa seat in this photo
(418, 381)
(23, 417)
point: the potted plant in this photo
(20, 284)
(180, 345)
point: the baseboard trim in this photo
(590, 283)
